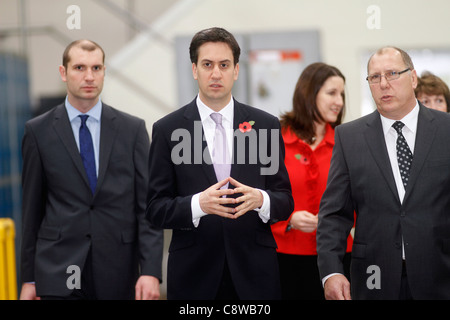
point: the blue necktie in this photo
(87, 153)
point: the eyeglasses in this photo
(390, 75)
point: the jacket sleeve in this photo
(336, 214)
(278, 185)
(150, 238)
(33, 202)
(166, 208)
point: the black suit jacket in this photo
(62, 219)
(361, 179)
(197, 255)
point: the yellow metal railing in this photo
(8, 279)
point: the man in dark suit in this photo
(222, 246)
(85, 175)
(392, 168)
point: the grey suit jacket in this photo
(63, 220)
(361, 180)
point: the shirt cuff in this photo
(197, 212)
(264, 211)
(327, 277)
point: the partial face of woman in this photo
(330, 98)
(436, 102)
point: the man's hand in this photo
(212, 200)
(28, 292)
(251, 198)
(147, 288)
(337, 287)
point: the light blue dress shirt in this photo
(93, 124)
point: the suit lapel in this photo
(424, 139)
(192, 115)
(108, 132)
(241, 115)
(195, 128)
(63, 128)
(377, 146)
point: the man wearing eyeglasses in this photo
(391, 167)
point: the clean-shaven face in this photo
(215, 73)
(330, 99)
(395, 98)
(84, 76)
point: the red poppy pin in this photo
(246, 126)
(301, 158)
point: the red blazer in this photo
(308, 173)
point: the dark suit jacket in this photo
(361, 179)
(62, 219)
(197, 255)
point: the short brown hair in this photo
(430, 84)
(304, 107)
(84, 44)
(213, 35)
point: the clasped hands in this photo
(213, 202)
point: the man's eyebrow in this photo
(221, 61)
(84, 65)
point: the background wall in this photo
(142, 71)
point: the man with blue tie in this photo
(219, 199)
(85, 176)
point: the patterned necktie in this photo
(87, 153)
(404, 155)
(220, 154)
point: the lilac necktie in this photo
(220, 155)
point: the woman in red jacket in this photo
(308, 132)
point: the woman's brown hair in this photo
(304, 111)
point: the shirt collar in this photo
(94, 113)
(205, 111)
(290, 137)
(410, 120)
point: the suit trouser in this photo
(226, 290)
(87, 289)
(405, 292)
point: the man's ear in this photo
(194, 71)
(62, 72)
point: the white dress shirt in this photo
(209, 127)
(390, 136)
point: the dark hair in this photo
(214, 35)
(430, 84)
(87, 45)
(305, 112)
